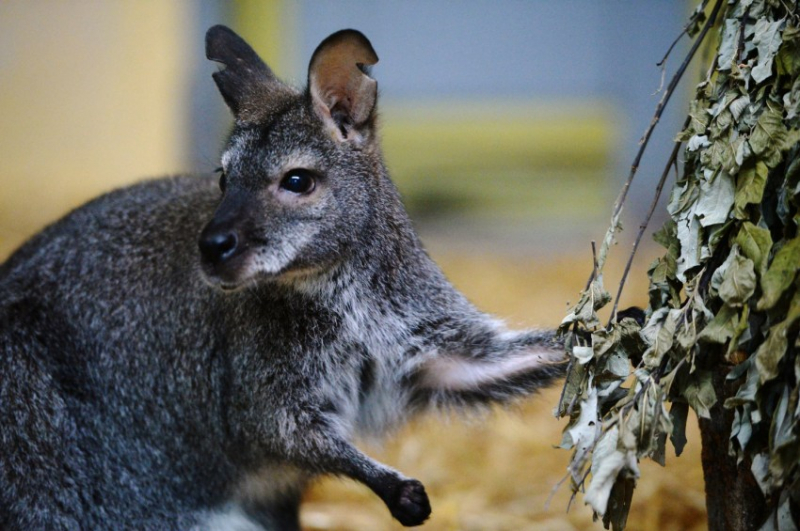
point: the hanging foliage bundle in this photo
(721, 329)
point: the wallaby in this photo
(188, 353)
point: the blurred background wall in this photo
(508, 125)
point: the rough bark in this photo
(733, 499)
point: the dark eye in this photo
(299, 182)
(223, 179)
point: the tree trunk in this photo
(734, 500)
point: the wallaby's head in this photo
(300, 171)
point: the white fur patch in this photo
(454, 373)
(229, 518)
(269, 483)
(273, 259)
(236, 149)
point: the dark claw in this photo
(411, 505)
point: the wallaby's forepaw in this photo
(410, 505)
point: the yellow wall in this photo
(90, 98)
(269, 26)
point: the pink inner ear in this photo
(341, 91)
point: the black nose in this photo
(217, 247)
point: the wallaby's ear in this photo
(246, 83)
(342, 93)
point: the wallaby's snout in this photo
(222, 243)
(218, 245)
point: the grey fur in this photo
(146, 384)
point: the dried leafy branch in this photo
(724, 296)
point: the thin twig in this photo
(564, 387)
(661, 105)
(680, 36)
(571, 364)
(742, 25)
(643, 227)
(594, 267)
(661, 83)
(554, 490)
(663, 62)
(578, 486)
(646, 138)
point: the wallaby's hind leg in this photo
(40, 469)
